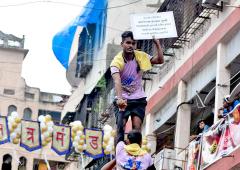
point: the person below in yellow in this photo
(131, 156)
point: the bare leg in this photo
(136, 123)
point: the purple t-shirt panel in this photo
(131, 80)
(126, 161)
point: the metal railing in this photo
(171, 158)
(11, 41)
(185, 13)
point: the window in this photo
(146, 46)
(29, 95)
(9, 91)
(56, 116)
(27, 114)
(13, 43)
(7, 162)
(23, 164)
(11, 109)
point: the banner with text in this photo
(4, 134)
(30, 135)
(61, 143)
(157, 25)
(94, 143)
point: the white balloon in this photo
(11, 139)
(18, 129)
(46, 134)
(111, 141)
(9, 124)
(42, 137)
(10, 119)
(82, 140)
(14, 114)
(79, 133)
(76, 150)
(107, 128)
(78, 122)
(109, 148)
(43, 125)
(85, 146)
(13, 135)
(149, 145)
(50, 124)
(77, 138)
(75, 144)
(73, 123)
(107, 133)
(19, 125)
(41, 118)
(50, 129)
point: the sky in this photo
(39, 21)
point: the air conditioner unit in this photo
(165, 159)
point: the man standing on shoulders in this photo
(127, 69)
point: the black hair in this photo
(126, 34)
(135, 136)
(202, 120)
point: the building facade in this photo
(201, 67)
(29, 102)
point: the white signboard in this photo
(157, 25)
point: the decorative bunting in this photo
(61, 142)
(4, 132)
(30, 138)
(94, 143)
(78, 138)
(14, 125)
(108, 140)
(46, 126)
(193, 152)
(226, 144)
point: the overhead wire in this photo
(65, 3)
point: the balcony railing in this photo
(167, 159)
(189, 16)
(11, 41)
(218, 142)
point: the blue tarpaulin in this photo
(62, 41)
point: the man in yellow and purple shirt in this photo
(127, 69)
(132, 156)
